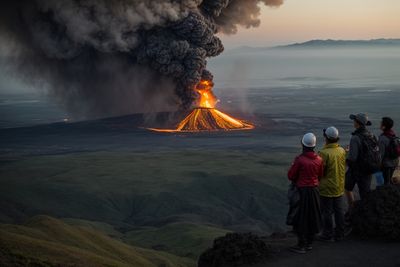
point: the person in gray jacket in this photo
(389, 159)
(356, 174)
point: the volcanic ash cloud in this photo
(101, 57)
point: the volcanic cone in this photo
(207, 118)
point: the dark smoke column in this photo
(98, 56)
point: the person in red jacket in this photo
(305, 173)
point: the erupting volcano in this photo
(205, 117)
(108, 58)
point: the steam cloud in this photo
(102, 57)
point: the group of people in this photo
(322, 181)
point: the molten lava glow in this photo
(207, 99)
(205, 117)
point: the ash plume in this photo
(101, 57)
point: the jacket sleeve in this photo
(321, 170)
(382, 146)
(355, 146)
(293, 173)
(324, 162)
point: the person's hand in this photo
(347, 148)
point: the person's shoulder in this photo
(331, 150)
(318, 157)
(383, 137)
(319, 160)
(323, 152)
(338, 150)
(298, 157)
(298, 160)
(355, 138)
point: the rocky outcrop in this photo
(378, 215)
(235, 249)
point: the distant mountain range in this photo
(335, 43)
(329, 43)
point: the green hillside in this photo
(162, 203)
(45, 241)
(236, 189)
(183, 239)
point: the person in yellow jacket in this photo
(331, 188)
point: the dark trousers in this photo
(333, 207)
(388, 174)
(307, 221)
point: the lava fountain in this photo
(205, 117)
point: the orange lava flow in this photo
(205, 117)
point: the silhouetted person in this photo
(305, 172)
(331, 187)
(363, 158)
(388, 149)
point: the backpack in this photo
(370, 157)
(394, 148)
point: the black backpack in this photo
(370, 157)
(394, 148)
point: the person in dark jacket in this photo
(389, 163)
(305, 172)
(356, 174)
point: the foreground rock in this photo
(378, 215)
(235, 249)
(352, 252)
(376, 218)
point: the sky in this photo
(302, 20)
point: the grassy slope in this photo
(183, 239)
(116, 192)
(45, 241)
(148, 188)
(99, 226)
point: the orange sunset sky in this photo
(302, 20)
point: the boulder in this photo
(378, 215)
(235, 249)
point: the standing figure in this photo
(363, 158)
(389, 148)
(305, 172)
(331, 188)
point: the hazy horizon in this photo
(293, 22)
(299, 21)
